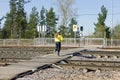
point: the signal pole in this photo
(112, 27)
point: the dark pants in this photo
(58, 46)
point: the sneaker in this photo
(58, 54)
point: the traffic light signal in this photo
(81, 28)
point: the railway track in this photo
(91, 64)
(101, 54)
(14, 59)
(3, 63)
(9, 61)
(94, 60)
(14, 54)
(86, 63)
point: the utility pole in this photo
(112, 27)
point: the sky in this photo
(87, 11)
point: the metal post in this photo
(39, 31)
(104, 44)
(74, 37)
(112, 27)
(81, 39)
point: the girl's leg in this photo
(59, 47)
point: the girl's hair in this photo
(56, 35)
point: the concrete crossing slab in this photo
(9, 72)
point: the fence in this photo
(66, 42)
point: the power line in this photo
(92, 14)
(97, 14)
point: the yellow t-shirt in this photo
(58, 38)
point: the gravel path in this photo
(62, 74)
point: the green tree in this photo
(42, 20)
(108, 32)
(116, 32)
(100, 26)
(21, 21)
(9, 26)
(51, 21)
(16, 22)
(63, 30)
(42, 16)
(31, 30)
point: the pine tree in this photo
(42, 21)
(100, 26)
(51, 21)
(116, 32)
(16, 22)
(31, 30)
(9, 26)
(21, 21)
(42, 16)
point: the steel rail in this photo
(91, 64)
(3, 63)
(94, 62)
(102, 53)
(92, 67)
